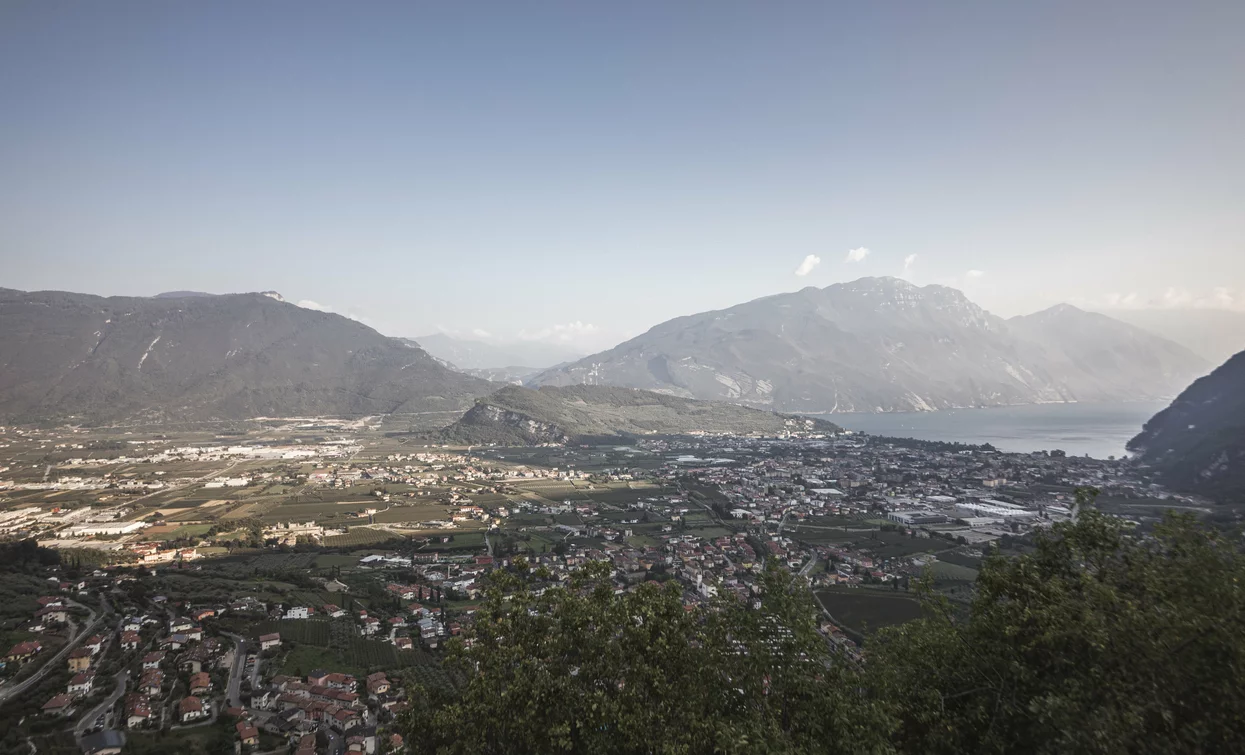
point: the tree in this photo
(1100, 641)
(582, 669)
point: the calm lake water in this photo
(1100, 430)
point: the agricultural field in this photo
(709, 532)
(360, 536)
(863, 611)
(882, 544)
(960, 558)
(832, 521)
(944, 571)
(411, 513)
(174, 531)
(335, 645)
(461, 540)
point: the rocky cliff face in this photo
(90, 359)
(494, 424)
(1198, 443)
(882, 344)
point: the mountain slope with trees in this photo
(90, 359)
(522, 416)
(882, 344)
(1198, 443)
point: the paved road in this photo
(88, 720)
(809, 566)
(783, 523)
(233, 694)
(9, 691)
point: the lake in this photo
(1099, 430)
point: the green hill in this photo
(521, 416)
(1198, 443)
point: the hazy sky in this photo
(584, 170)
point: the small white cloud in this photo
(1177, 297)
(908, 262)
(309, 304)
(975, 273)
(1125, 301)
(857, 255)
(481, 333)
(806, 267)
(568, 333)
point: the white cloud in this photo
(309, 304)
(1174, 297)
(1124, 301)
(857, 255)
(481, 333)
(908, 262)
(975, 273)
(568, 333)
(806, 267)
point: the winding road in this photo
(7, 692)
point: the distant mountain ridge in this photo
(469, 354)
(90, 359)
(1198, 443)
(1214, 334)
(181, 295)
(523, 416)
(1098, 358)
(883, 344)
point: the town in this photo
(283, 590)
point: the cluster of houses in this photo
(80, 660)
(299, 707)
(53, 611)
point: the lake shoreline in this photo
(1099, 430)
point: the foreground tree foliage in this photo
(1099, 641)
(581, 669)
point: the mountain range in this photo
(471, 354)
(1198, 443)
(1214, 334)
(883, 344)
(876, 344)
(522, 416)
(90, 359)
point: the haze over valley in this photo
(495, 378)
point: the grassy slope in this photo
(585, 411)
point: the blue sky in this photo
(581, 171)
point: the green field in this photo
(333, 645)
(360, 536)
(862, 610)
(946, 571)
(881, 544)
(709, 532)
(186, 530)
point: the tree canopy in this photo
(1099, 641)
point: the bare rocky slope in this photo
(90, 360)
(522, 416)
(882, 344)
